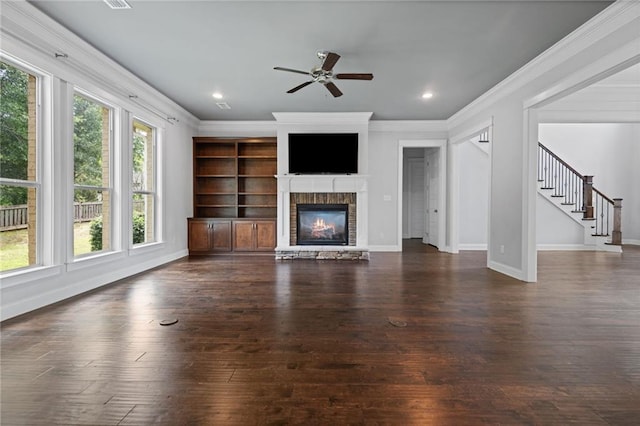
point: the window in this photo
(92, 210)
(20, 185)
(143, 184)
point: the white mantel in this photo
(355, 183)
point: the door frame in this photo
(440, 144)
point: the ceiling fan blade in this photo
(292, 70)
(295, 89)
(353, 76)
(330, 61)
(333, 89)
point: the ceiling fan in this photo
(324, 74)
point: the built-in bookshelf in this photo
(234, 178)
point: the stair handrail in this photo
(578, 190)
(560, 160)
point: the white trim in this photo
(603, 24)
(387, 248)
(506, 270)
(631, 241)
(315, 118)
(91, 260)
(469, 132)
(529, 259)
(17, 277)
(623, 57)
(39, 33)
(475, 247)
(408, 126)
(39, 300)
(555, 116)
(565, 247)
(243, 128)
(441, 144)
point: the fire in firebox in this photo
(322, 224)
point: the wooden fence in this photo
(15, 217)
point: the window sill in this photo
(21, 276)
(93, 260)
(146, 248)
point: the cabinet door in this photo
(199, 235)
(221, 235)
(243, 236)
(265, 235)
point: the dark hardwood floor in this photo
(412, 338)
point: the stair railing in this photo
(577, 190)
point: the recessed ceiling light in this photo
(118, 4)
(427, 95)
(217, 95)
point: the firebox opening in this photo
(322, 224)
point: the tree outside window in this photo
(91, 176)
(19, 181)
(143, 183)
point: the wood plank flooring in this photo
(412, 338)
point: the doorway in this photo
(422, 189)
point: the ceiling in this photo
(455, 49)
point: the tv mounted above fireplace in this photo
(323, 153)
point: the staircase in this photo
(574, 193)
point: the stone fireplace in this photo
(323, 219)
(325, 192)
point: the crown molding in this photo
(610, 20)
(408, 126)
(26, 24)
(245, 128)
(322, 117)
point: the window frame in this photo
(157, 135)
(111, 189)
(41, 83)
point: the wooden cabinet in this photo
(234, 195)
(254, 235)
(209, 235)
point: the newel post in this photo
(616, 234)
(587, 197)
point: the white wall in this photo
(384, 140)
(555, 230)
(610, 153)
(473, 196)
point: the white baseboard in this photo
(565, 247)
(631, 242)
(507, 270)
(43, 299)
(390, 248)
(478, 247)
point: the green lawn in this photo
(13, 246)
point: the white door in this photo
(432, 191)
(416, 198)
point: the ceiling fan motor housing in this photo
(324, 74)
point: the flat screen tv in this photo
(323, 153)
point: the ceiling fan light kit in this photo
(324, 74)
